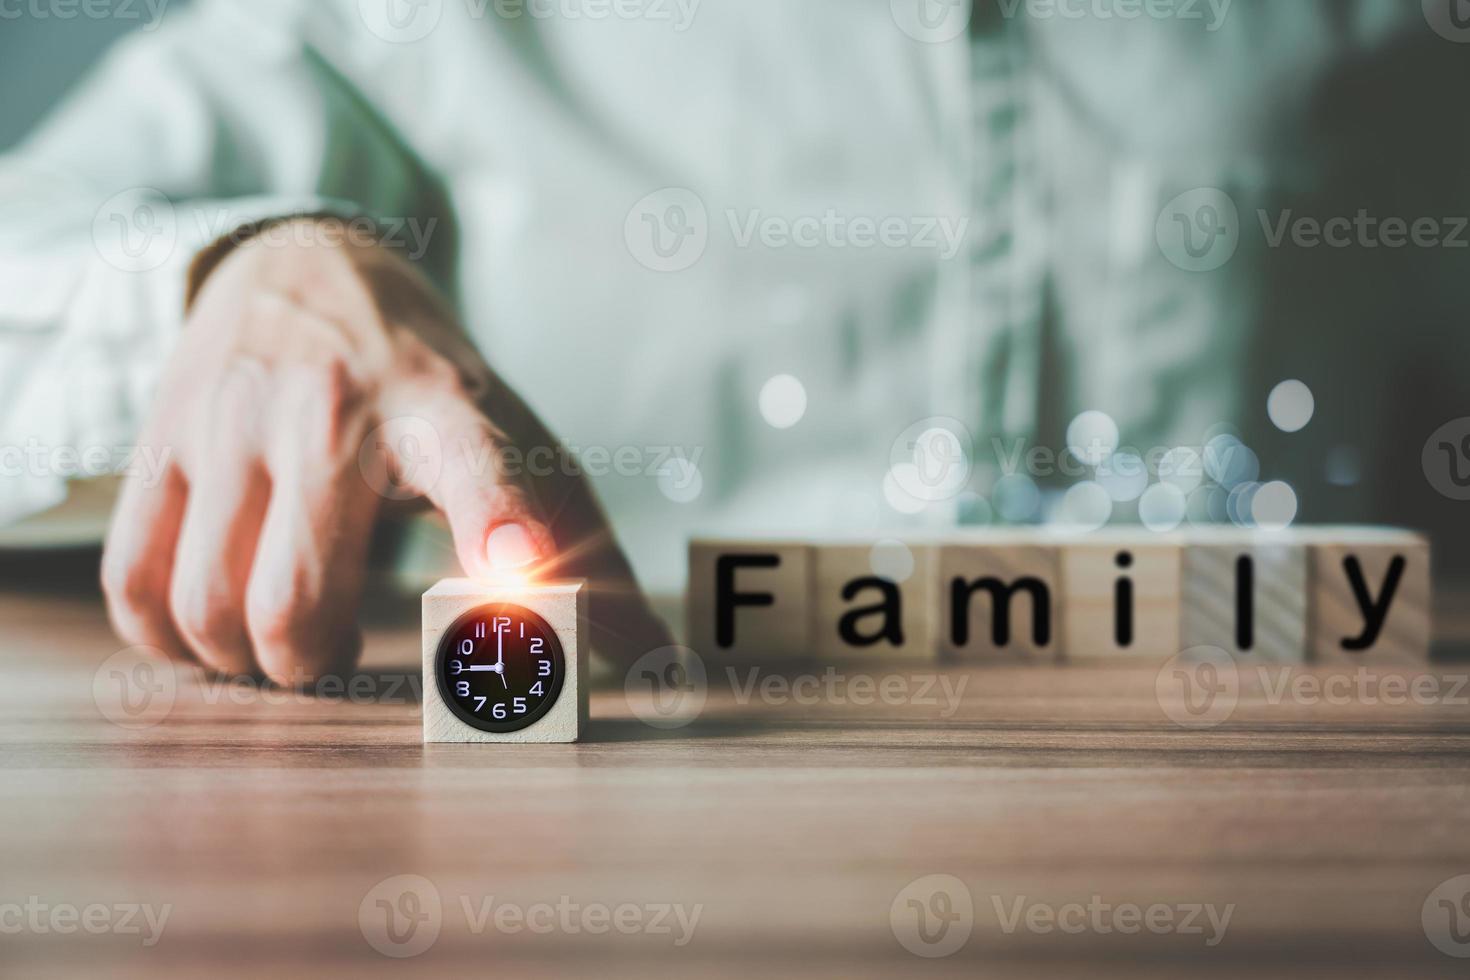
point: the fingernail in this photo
(510, 546)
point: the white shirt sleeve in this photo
(218, 118)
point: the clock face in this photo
(500, 667)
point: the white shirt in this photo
(648, 209)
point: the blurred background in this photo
(46, 56)
(1210, 264)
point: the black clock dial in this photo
(500, 667)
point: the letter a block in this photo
(862, 615)
(1370, 595)
(1246, 593)
(1000, 598)
(1122, 594)
(750, 601)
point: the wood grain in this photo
(794, 826)
(1277, 601)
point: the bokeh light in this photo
(1291, 406)
(894, 482)
(1084, 507)
(1092, 437)
(1230, 462)
(1238, 504)
(1274, 506)
(1207, 506)
(973, 510)
(1124, 476)
(1163, 507)
(783, 401)
(1182, 467)
(940, 454)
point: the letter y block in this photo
(1371, 595)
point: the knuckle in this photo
(128, 586)
(298, 632)
(331, 404)
(288, 634)
(420, 365)
(507, 501)
(335, 382)
(277, 624)
(210, 625)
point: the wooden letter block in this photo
(750, 601)
(1122, 592)
(862, 613)
(504, 663)
(1000, 598)
(1246, 593)
(1370, 595)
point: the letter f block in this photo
(749, 602)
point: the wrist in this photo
(357, 235)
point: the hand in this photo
(249, 554)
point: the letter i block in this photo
(1371, 595)
(1122, 592)
(1000, 598)
(861, 612)
(1246, 592)
(750, 601)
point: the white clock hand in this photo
(500, 658)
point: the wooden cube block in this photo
(504, 663)
(999, 597)
(1246, 593)
(1371, 595)
(750, 601)
(874, 601)
(1121, 592)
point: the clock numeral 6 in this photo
(498, 712)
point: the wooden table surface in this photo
(265, 822)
